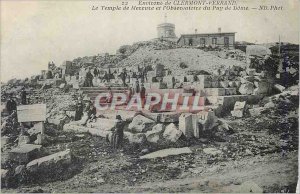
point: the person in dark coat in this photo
(118, 133)
(96, 72)
(79, 110)
(89, 79)
(23, 97)
(11, 105)
(143, 94)
(137, 86)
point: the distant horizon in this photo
(37, 32)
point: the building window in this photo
(214, 41)
(202, 41)
(190, 42)
(226, 41)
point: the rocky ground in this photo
(251, 155)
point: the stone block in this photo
(190, 78)
(138, 138)
(262, 87)
(239, 105)
(49, 162)
(279, 88)
(214, 91)
(167, 152)
(207, 120)
(169, 117)
(172, 133)
(215, 84)
(230, 91)
(155, 135)
(237, 113)
(180, 79)
(204, 81)
(23, 139)
(24, 153)
(186, 124)
(246, 88)
(224, 84)
(75, 127)
(250, 71)
(140, 124)
(232, 84)
(256, 111)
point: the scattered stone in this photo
(237, 113)
(212, 151)
(140, 124)
(256, 111)
(246, 88)
(172, 133)
(24, 153)
(20, 169)
(135, 137)
(269, 105)
(155, 134)
(279, 88)
(167, 152)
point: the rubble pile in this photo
(195, 59)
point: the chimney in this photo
(219, 30)
(196, 31)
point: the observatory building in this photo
(166, 31)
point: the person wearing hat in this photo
(118, 133)
(11, 105)
(23, 96)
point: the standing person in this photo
(79, 110)
(89, 77)
(137, 86)
(173, 82)
(110, 96)
(118, 133)
(145, 74)
(96, 72)
(123, 77)
(11, 105)
(23, 96)
(143, 94)
(109, 75)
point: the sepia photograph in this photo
(149, 96)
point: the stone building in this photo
(166, 31)
(219, 39)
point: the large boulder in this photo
(246, 88)
(172, 133)
(140, 124)
(155, 134)
(135, 137)
(51, 161)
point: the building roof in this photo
(201, 34)
(215, 33)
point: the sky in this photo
(36, 32)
